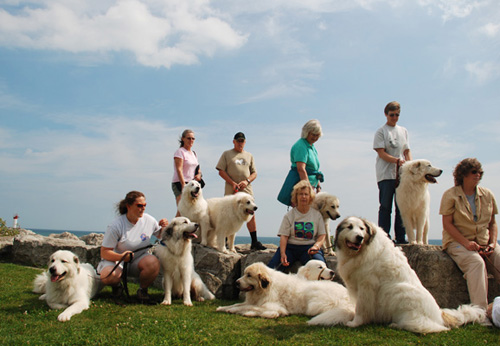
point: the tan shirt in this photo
(238, 166)
(454, 202)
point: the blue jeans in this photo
(387, 192)
(294, 253)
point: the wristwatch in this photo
(248, 180)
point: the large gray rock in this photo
(35, 250)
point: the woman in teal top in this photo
(305, 162)
(304, 156)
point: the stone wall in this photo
(437, 271)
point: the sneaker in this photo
(143, 296)
(117, 290)
(257, 246)
(401, 242)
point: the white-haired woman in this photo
(305, 161)
(302, 231)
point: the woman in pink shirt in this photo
(185, 163)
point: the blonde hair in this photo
(312, 126)
(303, 184)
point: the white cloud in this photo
(483, 72)
(490, 29)
(157, 33)
(453, 8)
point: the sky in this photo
(95, 94)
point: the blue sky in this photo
(94, 95)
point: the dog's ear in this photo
(264, 280)
(168, 231)
(414, 168)
(371, 229)
(340, 227)
(77, 262)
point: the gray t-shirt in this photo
(302, 229)
(395, 141)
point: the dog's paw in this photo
(188, 303)
(166, 302)
(331, 253)
(63, 317)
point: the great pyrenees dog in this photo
(271, 294)
(193, 206)
(328, 205)
(177, 263)
(315, 270)
(384, 287)
(67, 284)
(227, 215)
(413, 199)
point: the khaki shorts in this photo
(133, 268)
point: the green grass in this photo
(29, 321)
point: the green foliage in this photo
(7, 231)
(27, 320)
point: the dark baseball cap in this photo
(239, 135)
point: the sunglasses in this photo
(393, 114)
(190, 138)
(475, 171)
(139, 205)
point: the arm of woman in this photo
(493, 229)
(283, 244)
(449, 227)
(317, 245)
(178, 168)
(109, 254)
(301, 169)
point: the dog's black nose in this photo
(255, 208)
(359, 239)
(237, 284)
(52, 270)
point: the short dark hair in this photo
(463, 168)
(392, 106)
(121, 207)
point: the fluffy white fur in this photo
(227, 215)
(413, 198)
(271, 294)
(384, 287)
(193, 206)
(315, 270)
(328, 205)
(67, 284)
(177, 263)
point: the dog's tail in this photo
(39, 283)
(468, 313)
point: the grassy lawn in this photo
(29, 321)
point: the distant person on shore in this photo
(128, 233)
(392, 145)
(304, 162)
(237, 167)
(470, 230)
(302, 231)
(186, 166)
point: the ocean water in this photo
(237, 240)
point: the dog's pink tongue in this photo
(54, 278)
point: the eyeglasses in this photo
(140, 206)
(240, 140)
(393, 114)
(475, 171)
(190, 138)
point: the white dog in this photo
(328, 206)
(193, 206)
(413, 198)
(384, 287)
(315, 270)
(177, 263)
(67, 284)
(271, 294)
(227, 215)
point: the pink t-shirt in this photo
(190, 161)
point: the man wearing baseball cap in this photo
(236, 166)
